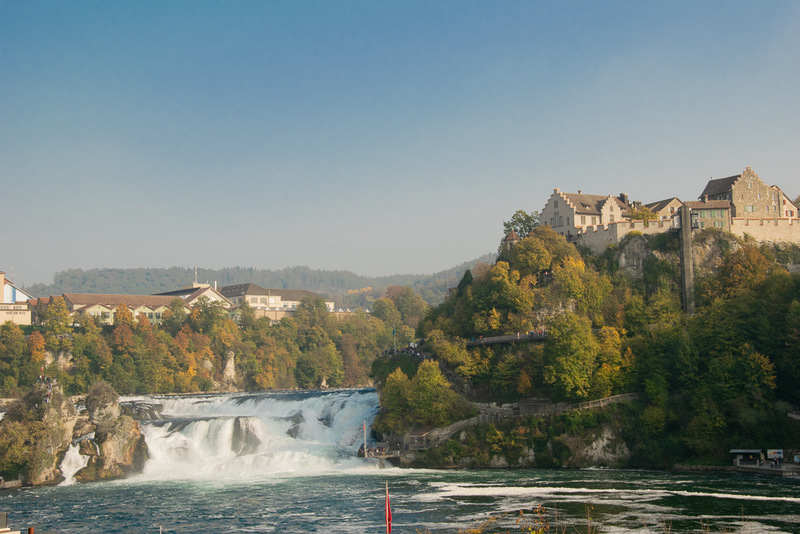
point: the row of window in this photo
(712, 213)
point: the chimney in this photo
(623, 198)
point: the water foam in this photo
(256, 436)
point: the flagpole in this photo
(388, 511)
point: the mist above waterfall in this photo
(254, 435)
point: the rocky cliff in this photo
(45, 424)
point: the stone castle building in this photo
(742, 205)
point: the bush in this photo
(100, 394)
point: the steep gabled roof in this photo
(655, 207)
(592, 204)
(719, 186)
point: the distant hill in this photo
(348, 290)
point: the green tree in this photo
(570, 356)
(522, 223)
(410, 305)
(430, 396)
(173, 319)
(395, 416)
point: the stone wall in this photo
(598, 238)
(769, 230)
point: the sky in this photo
(379, 137)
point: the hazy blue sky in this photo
(374, 136)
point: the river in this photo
(285, 462)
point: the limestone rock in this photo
(117, 452)
(606, 448)
(59, 416)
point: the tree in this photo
(123, 316)
(174, 317)
(410, 305)
(430, 396)
(57, 324)
(642, 213)
(570, 354)
(521, 223)
(395, 415)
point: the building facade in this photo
(750, 197)
(14, 304)
(271, 303)
(570, 214)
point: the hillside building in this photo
(750, 197)
(14, 303)
(570, 214)
(271, 303)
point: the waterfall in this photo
(72, 462)
(246, 435)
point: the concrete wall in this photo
(16, 313)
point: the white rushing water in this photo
(256, 435)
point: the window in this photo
(567, 221)
(555, 203)
(703, 214)
(594, 220)
(749, 208)
(612, 218)
(583, 219)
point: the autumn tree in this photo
(123, 316)
(57, 325)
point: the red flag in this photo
(388, 511)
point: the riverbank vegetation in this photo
(205, 350)
(724, 377)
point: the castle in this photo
(742, 205)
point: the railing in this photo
(527, 336)
(492, 414)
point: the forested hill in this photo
(349, 290)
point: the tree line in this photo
(189, 352)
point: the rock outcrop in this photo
(58, 416)
(115, 452)
(46, 423)
(117, 447)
